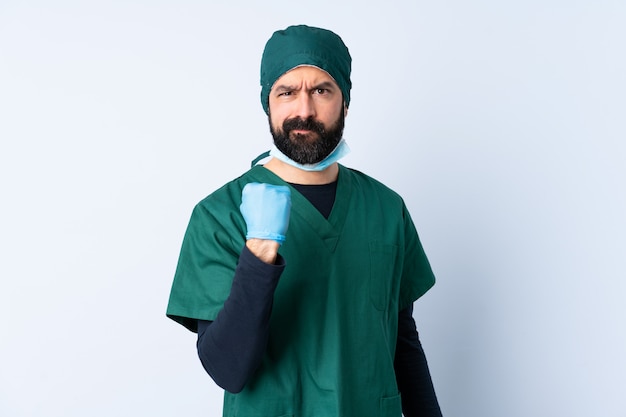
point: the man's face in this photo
(306, 114)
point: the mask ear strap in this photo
(258, 158)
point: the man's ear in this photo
(345, 110)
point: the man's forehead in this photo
(312, 74)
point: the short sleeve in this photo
(207, 261)
(417, 274)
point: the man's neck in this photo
(289, 173)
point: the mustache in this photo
(298, 123)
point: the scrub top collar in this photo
(329, 229)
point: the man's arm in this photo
(412, 373)
(231, 347)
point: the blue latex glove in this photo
(266, 208)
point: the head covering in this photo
(305, 45)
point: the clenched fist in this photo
(266, 209)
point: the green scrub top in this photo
(334, 321)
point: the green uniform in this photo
(333, 327)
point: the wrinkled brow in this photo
(328, 85)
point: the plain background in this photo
(502, 123)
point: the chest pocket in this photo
(383, 269)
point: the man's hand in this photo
(265, 250)
(266, 209)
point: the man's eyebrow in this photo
(325, 85)
(286, 87)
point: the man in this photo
(299, 276)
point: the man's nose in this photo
(305, 106)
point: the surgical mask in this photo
(339, 152)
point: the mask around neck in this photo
(339, 152)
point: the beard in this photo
(311, 147)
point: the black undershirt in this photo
(321, 196)
(231, 347)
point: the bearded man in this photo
(300, 275)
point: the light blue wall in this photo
(501, 123)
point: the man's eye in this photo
(321, 91)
